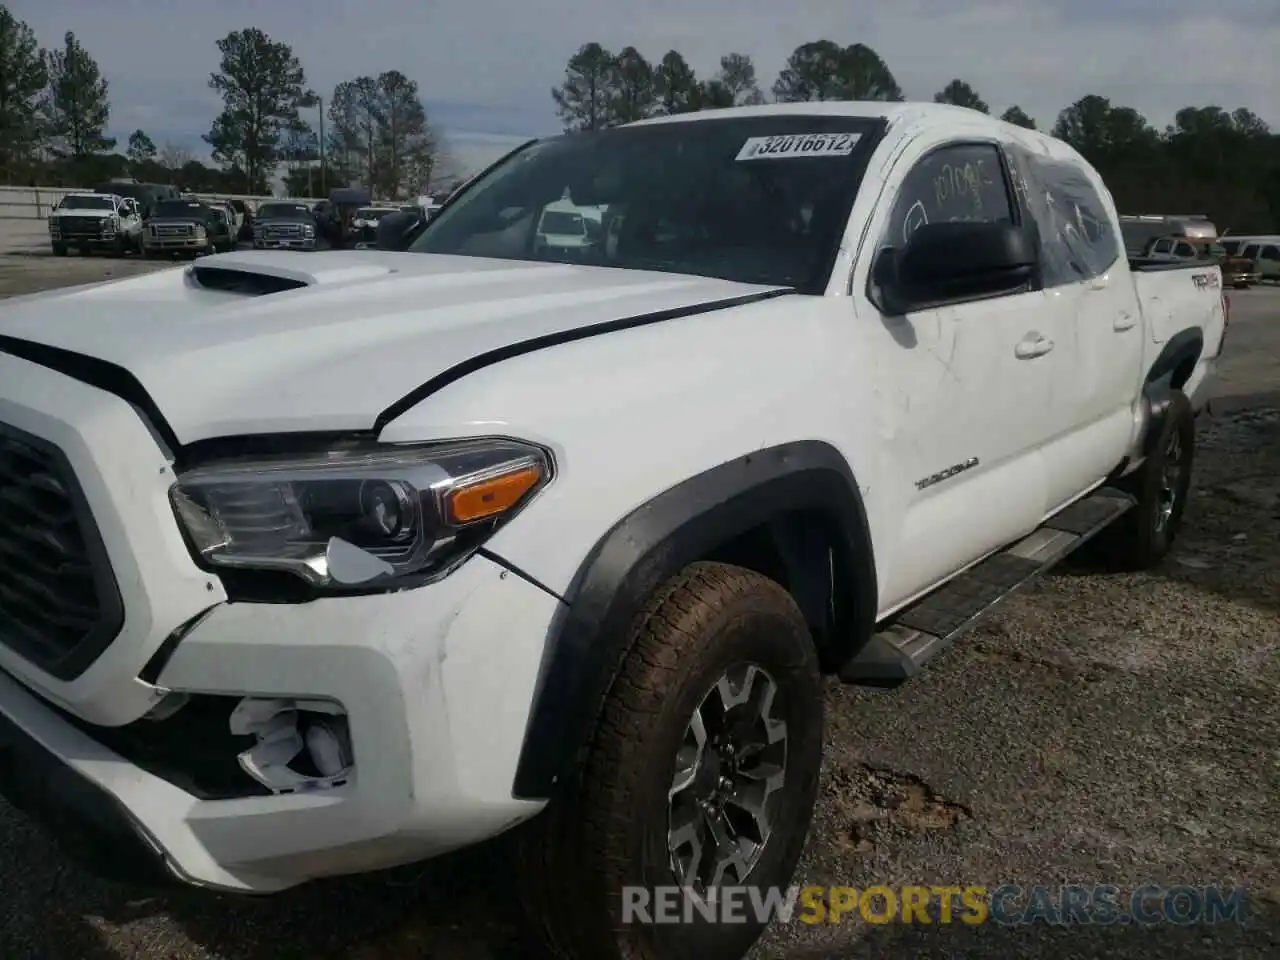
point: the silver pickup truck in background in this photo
(95, 221)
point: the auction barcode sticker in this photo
(787, 146)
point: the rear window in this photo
(1138, 235)
(554, 221)
(1207, 249)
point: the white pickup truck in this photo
(315, 566)
(95, 221)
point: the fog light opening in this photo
(302, 745)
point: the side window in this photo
(962, 182)
(1250, 251)
(1077, 237)
(1184, 250)
(1271, 253)
(1163, 246)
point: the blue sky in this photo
(485, 66)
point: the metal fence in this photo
(33, 203)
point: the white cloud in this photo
(486, 66)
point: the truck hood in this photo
(268, 342)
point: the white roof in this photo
(896, 113)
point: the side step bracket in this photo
(933, 623)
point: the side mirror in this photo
(396, 231)
(944, 261)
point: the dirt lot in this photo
(1102, 729)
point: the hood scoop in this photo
(242, 281)
(253, 277)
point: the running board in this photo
(933, 623)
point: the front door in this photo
(966, 384)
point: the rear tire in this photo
(1142, 537)
(637, 813)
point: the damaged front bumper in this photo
(252, 746)
(435, 727)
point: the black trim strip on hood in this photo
(490, 357)
(96, 373)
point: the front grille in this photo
(173, 230)
(59, 603)
(80, 228)
(285, 232)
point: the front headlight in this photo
(200, 231)
(104, 222)
(378, 516)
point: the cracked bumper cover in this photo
(436, 718)
(435, 685)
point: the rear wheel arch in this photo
(793, 513)
(1178, 358)
(1168, 374)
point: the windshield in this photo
(284, 211)
(179, 208)
(87, 203)
(761, 199)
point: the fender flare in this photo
(1158, 389)
(654, 542)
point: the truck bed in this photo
(1177, 297)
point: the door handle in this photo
(1031, 346)
(1123, 321)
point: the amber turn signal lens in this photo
(490, 497)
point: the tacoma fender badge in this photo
(947, 474)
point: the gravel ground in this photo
(1101, 729)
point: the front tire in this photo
(1142, 537)
(711, 729)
